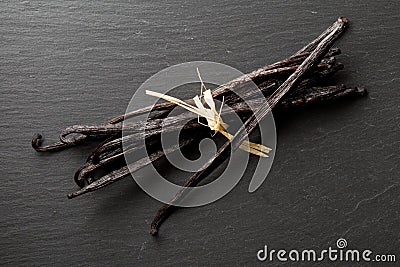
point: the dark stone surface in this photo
(335, 174)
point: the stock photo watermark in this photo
(340, 253)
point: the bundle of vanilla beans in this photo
(296, 81)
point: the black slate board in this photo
(336, 170)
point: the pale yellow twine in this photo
(214, 120)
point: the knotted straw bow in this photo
(214, 120)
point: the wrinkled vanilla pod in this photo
(296, 81)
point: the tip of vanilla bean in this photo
(361, 91)
(36, 141)
(343, 20)
(154, 232)
(77, 193)
(352, 91)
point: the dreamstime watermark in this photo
(175, 81)
(338, 253)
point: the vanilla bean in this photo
(307, 97)
(300, 97)
(228, 87)
(115, 148)
(312, 96)
(125, 170)
(296, 81)
(37, 140)
(252, 122)
(115, 155)
(153, 127)
(281, 67)
(81, 175)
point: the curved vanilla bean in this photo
(79, 139)
(305, 97)
(261, 73)
(81, 175)
(113, 147)
(125, 170)
(115, 155)
(174, 123)
(37, 141)
(137, 137)
(311, 46)
(301, 96)
(83, 131)
(251, 123)
(153, 127)
(95, 158)
(105, 130)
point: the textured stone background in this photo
(336, 170)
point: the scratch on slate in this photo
(371, 198)
(351, 228)
(142, 248)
